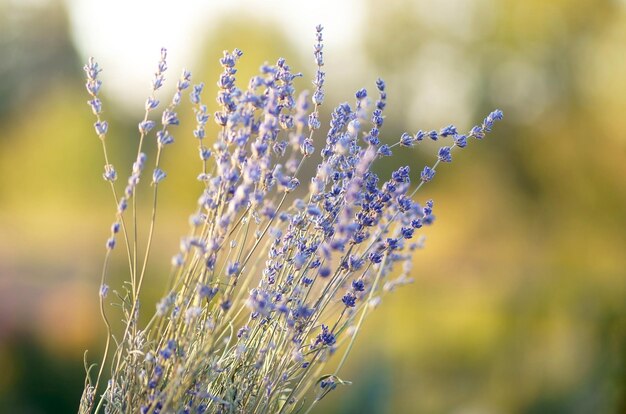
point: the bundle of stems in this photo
(274, 277)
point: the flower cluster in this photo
(278, 270)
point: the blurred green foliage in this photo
(519, 302)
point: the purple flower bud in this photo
(169, 118)
(145, 126)
(349, 299)
(406, 140)
(427, 174)
(164, 138)
(358, 285)
(101, 127)
(158, 175)
(460, 141)
(109, 173)
(151, 103)
(96, 106)
(444, 154)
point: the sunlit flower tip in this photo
(477, 132)
(164, 138)
(104, 290)
(447, 131)
(204, 153)
(401, 175)
(151, 103)
(169, 118)
(349, 299)
(319, 55)
(177, 98)
(358, 285)
(375, 257)
(406, 140)
(194, 96)
(307, 149)
(497, 114)
(427, 174)
(384, 151)
(109, 173)
(96, 105)
(407, 232)
(318, 97)
(361, 94)
(158, 175)
(380, 84)
(110, 243)
(184, 81)
(137, 168)
(460, 141)
(145, 126)
(199, 133)
(220, 118)
(93, 86)
(314, 122)
(101, 127)
(491, 118)
(201, 115)
(416, 224)
(292, 185)
(445, 154)
(326, 337)
(377, 118)
(92, 69)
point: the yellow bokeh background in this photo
(519, 300)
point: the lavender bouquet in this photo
(278, 271)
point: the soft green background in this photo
(519, 303)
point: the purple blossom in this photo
(427, 174)
(349, 299)
(444, 154)
(460, 141)
(358, 285)
(101, 127)
(326, 337)
(158, 175)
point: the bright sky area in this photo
(125, 36)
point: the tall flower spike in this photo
(320, 76)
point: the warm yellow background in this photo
(519, 304)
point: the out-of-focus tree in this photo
(36, 51)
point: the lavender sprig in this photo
(274, 277)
